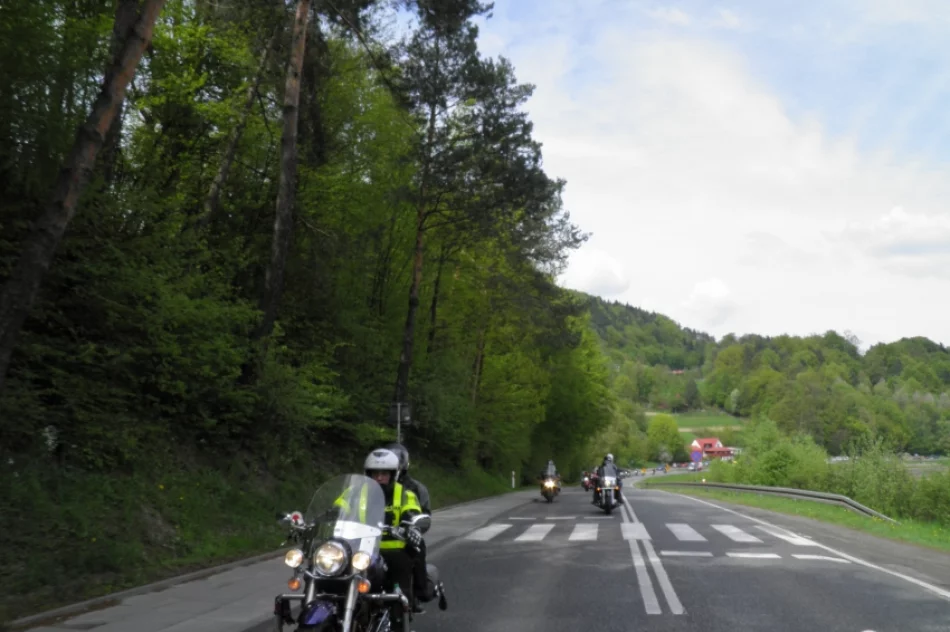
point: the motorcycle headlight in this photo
(361, 560)
(293, 558)
(549, 483)
(330, 558)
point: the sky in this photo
(762, 166)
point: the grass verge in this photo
(923, 534)
(119, 532)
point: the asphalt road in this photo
(665, 563)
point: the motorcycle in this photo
(606, 487)
(549, 489)
(338, 563)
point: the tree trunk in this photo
(434, 307)
(479, 363)
(21, 289)
(214, 193)
(409, 331)
(284, 216)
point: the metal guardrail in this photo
(786, 491)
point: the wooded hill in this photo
(820, 384)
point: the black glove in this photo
(413, 537)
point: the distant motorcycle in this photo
(586, 483)
(607, 487)
(549, 489)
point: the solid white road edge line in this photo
(662, 578)
(913, 580)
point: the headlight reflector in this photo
(361, 561)
(293, 558)
(330, 558)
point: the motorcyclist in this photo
(608, 468)
(550, 471)
(383, 466)
(419, 571)
(413, 485)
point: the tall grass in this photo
(81, 535)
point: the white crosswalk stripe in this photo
(556, 530)
(634, 531)
(788, 537)
(535, 533)
(585, 531)
(734, 533)
(487, 533)
(684, 532)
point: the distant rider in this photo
(608, 468)
(550, 471)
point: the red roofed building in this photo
(710, 447)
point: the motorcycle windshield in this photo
(350, 507)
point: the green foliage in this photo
(873, 475)
(665, 443)
(138, 365)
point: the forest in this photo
(234, 235)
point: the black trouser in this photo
(420, 574)
(400, 572)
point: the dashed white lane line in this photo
(803, 556)
(754, 556)
(686, 553)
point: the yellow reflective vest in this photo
(403, 501)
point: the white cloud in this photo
(710, 302)
(688, 167)
(726, 19)
(670, 15)
(597, 270)
(905, 243)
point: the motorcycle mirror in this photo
(422, 522)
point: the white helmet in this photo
(610, 457)
(381, 460)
